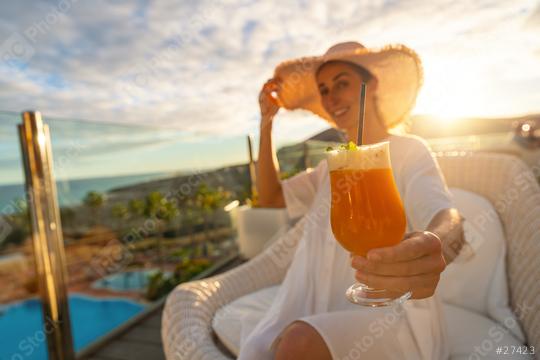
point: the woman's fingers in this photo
(432, 263)
(400, 284)
(413, 265)
(269, 104)
(415, 245)
(271, 85)
(268, 88)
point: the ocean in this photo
(95, 153)
(71, 192)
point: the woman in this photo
(310, 317)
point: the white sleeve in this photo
(425, 192)
(299, 191)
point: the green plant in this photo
(183, 255)
(152, 204)
(136, 207)
(15, 237)
(185, 271)
(19, 222)
(94, 200)
(120, 212)
(208, 200)
(191, 216)
(67, 215)
(160, 284)
(162, 211)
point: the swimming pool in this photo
(22, 329)
(136, 280)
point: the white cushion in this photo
(237, 319)
(480, 284)
(469, 333)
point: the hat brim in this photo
(397, 68)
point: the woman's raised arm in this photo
(268, 183)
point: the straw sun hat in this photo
(397, 69)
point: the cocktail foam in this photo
(376, 156)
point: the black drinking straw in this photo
(360, 138)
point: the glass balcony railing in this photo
(142, 209)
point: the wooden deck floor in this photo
(142, 341)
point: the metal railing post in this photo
(47, 237)
(252, 170)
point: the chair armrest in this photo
(519, 205)
(513, 190)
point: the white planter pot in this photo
(258, 227)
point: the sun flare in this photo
(452, 92)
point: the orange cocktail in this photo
(367, 211)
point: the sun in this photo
(451, 93)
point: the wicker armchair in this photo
(504, 180)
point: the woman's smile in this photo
(340, 111)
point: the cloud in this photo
(197, 66)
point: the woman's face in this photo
(339, 85)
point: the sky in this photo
(197, 66)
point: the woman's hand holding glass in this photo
(414, 265)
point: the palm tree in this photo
(120, 212)
(162, 211)
(151, 208)
(190, 218)
(136, 208)
(168, 211)
(18, 224)
(209, 200)
(94, 200)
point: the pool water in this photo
(22, 332)
(125, 281)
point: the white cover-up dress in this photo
(320, 272)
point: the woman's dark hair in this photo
(366, 75)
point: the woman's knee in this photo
(301, 341)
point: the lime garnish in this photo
(346, 147)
